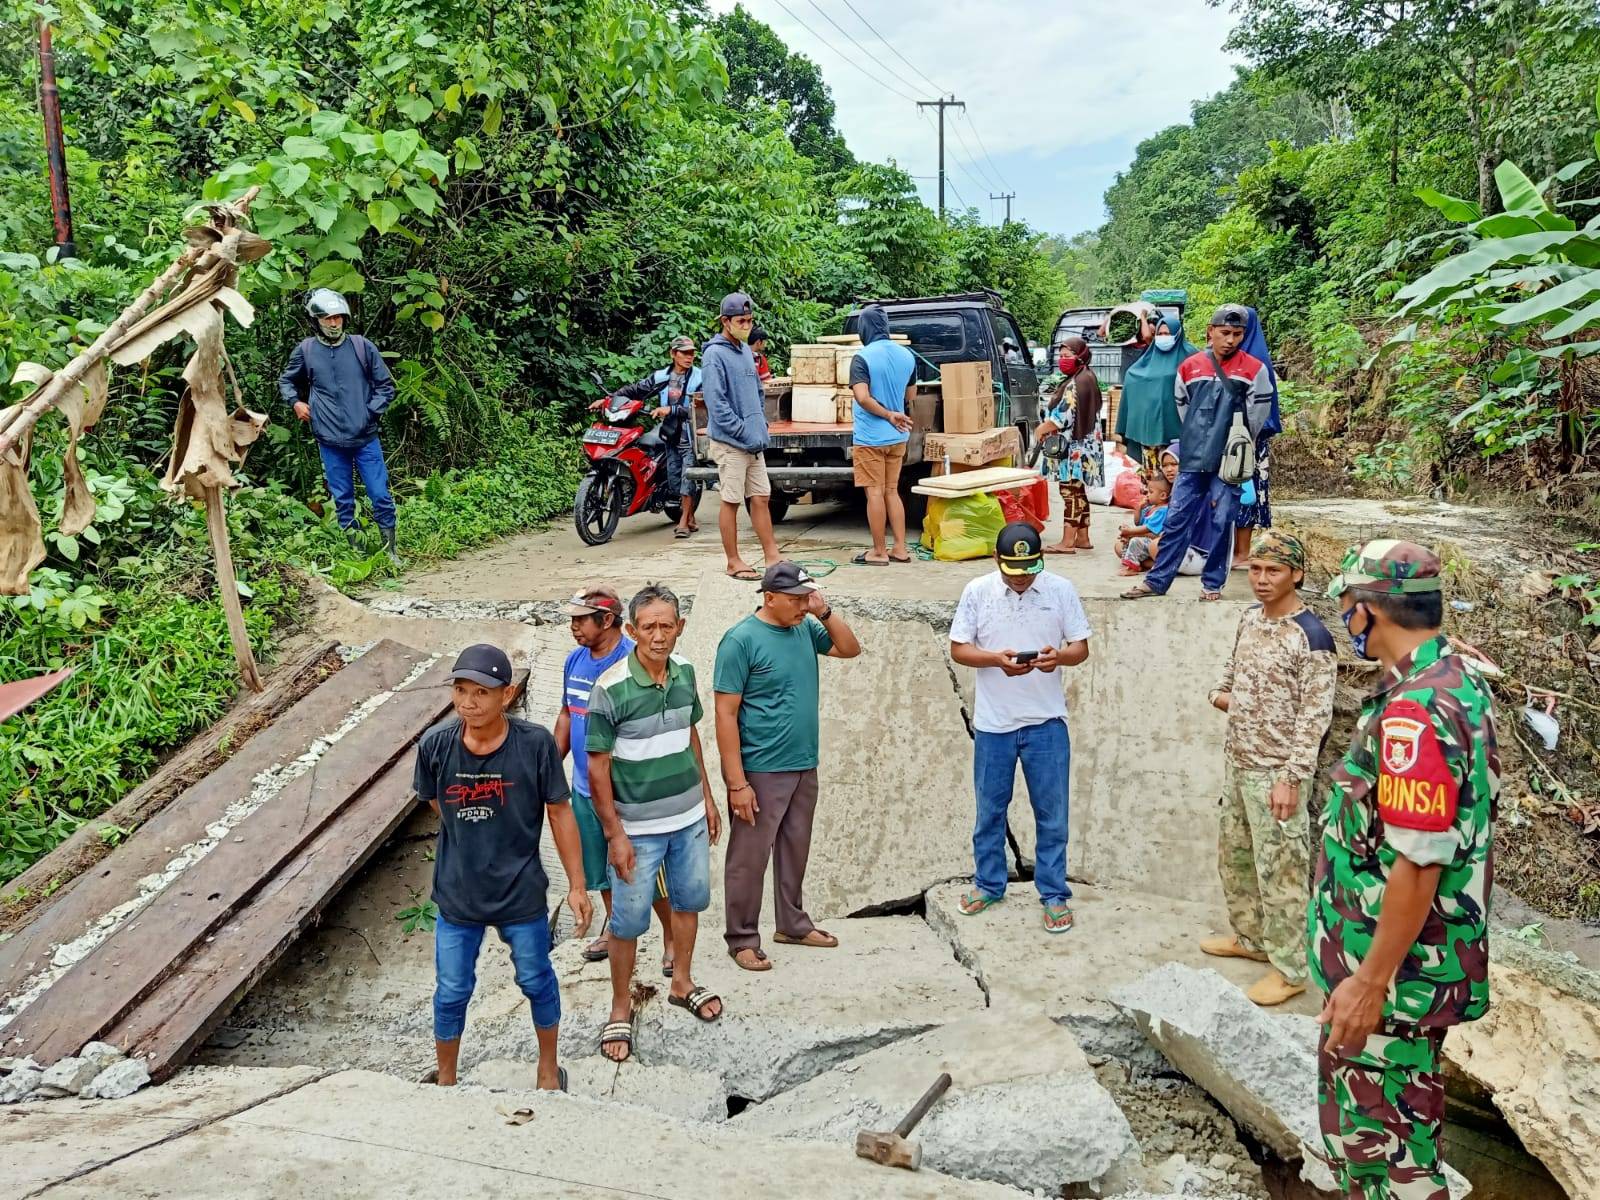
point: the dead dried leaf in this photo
(1536, 585)
(21, 534)
(517, 1116)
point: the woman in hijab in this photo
(1147, 418)
(1075, 409)
(1255, 509)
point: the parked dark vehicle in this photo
(969, 327)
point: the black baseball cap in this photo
(483, 664)
(788, 578)
(1020, 548)
(1231, 316)
(737, 304)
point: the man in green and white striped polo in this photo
(647, 777)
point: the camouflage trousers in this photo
(1381, 1111)
(1266, 869)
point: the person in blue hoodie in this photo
(882, 380)
(338, 383)
(673, 388)
(736, 423)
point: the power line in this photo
(984, 148)
(870, 56)
(941, 91)
(839, 53)
(972, 160)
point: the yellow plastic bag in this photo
(963, 527)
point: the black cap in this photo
(483, 664)
(737, 304)
(789, 578)
(1231, 316)
(1020, 548)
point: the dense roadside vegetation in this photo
(512, 195)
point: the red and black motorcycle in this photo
(627, 470)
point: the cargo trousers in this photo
(1381, 1110)
(1265, 866)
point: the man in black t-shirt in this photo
(492, 779)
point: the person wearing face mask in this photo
(736, 422)
(338, 384)
(1075, 408)
(1210, 388)
(1147, 418)
(1399, 916)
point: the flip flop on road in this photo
(1138, 592)
(819, 939)
(861, 560)
(1057, 918)
(696, 1002)
(680, 533)
(666, 967)
(893, 559)
(1210, 597)
(617, 1033)
(748, 575)
(757, 959)
(597, 951)
(974, 902)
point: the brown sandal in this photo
(819, 939)
(762, 962)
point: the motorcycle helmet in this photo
(325, 302)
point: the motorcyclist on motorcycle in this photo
(674, 386)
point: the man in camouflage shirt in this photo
(1398, 922)
(1277, 690)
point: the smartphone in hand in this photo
(1023, 657)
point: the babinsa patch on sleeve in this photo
(1415, 787)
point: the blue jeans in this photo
(1046, 754)
(686, 854)
(678, 460)
(455, 963)
(1197, 496)
(340, 465)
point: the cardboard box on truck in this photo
(814, 404)
(965, 379)
(810, 364)
(968, 414)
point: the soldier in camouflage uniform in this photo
(1277, 690)
(1398, 922)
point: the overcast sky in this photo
(1058, 91)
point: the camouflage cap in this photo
(1274, 545)
(1390, 567)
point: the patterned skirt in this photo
(1259, 514)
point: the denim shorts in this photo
(685, 854)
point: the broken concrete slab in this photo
(889, 978)
(121, 1079)
(666, 1089)
(895, 808)
(19, 1083)
(100, 1052)
(50, 1141)
(1248, 1060)
(1015, 1076)
(1117, 937)
(354, 1134)
(1537, 1054)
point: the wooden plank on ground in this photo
(201, 755)
(169, 1024)
(114, 881)
(968, 482)
(107, 982)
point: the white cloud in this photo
(1041, 80)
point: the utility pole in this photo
(941, 105)
(1008, 197)
(55, 151)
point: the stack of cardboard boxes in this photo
(970, 438)
(821, 373)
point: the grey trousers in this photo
(786, 802)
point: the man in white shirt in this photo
(1017, 626)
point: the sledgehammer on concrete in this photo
(891, 1149)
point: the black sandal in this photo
(595, 952)
(615, 1032)
(696, 1002)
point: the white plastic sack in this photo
(1115, 464)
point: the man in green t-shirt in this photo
(767, 697)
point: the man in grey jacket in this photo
(338, 383)
(736, 422)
